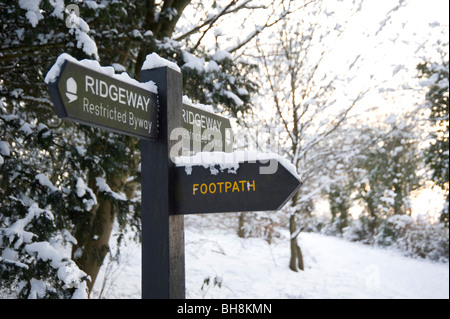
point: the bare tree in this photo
(300, 101)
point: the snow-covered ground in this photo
(251, 268)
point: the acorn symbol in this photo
(71, 89)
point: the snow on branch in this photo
(44, 181)
(104, 187)
(33, 12)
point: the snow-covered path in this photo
(334, 268)
(251, 268)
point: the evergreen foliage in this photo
(437, 155)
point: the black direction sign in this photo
(96, 99)
(205, 131)
(246, 189)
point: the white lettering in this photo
(201, 121)
(89, 83)
(117, 93)
(205, 310)
(139, 102)
(103, 89)
(131, 98)
(138, 123)
(106, 112)
(146, 102)
(113, 92)
(122, 96)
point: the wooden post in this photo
(163, 269)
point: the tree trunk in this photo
(93, 234)
(296, 261)
(241, 226)
(94, 243)
(162, 27)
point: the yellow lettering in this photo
(224, 187)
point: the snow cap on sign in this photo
(55, 71)
(153, 61)
(230, 161)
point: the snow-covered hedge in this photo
(416, 238)
(26, 256)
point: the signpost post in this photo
(162, 232)
(96, 99)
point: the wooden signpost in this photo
(94, 98)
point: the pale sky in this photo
(392, 53)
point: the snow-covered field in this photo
(251, 268)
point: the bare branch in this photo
(258, 30)
(213, 21)
(210, 21)
(274, 90)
